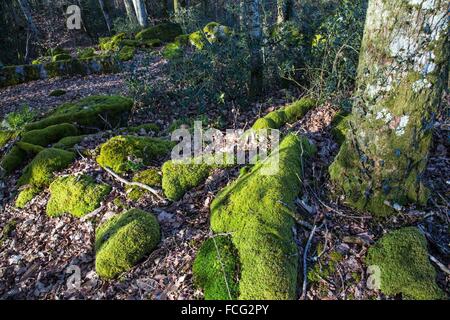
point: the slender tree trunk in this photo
(284, 8)
(402, 73)
(130, 11)
(141, 13)
(253, 11)
(25, 7)
(105, 15)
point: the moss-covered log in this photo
(402, 72)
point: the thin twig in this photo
(439, 264)
(137, 184)
(305, 265)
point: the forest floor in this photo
(36, 257)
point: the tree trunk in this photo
(284, 8)
(401, 76)
(141, 13)
(130, 11)
(253, 11)
(25, 7)
(105, 15)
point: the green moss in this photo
(147, 127)
(298, 109)
(150, 177)
(278, 118)
(126, 53)
(77, 195)
(112, 44)
(30, 149)
(263, 123)
(215, 31)
(123, 241)
(197, 39)
(49, 135)
(165, 32)
(13, 159)
(326, 267)
(402, 257)
(181, 176)
(86, 53)
(182, 40)
(172, 50)
(26, 195)
(57, 93)
(256, 210)
(216, 261)
(340, 126)
(131, 43)
(6, 136)
(152, 43)
(61, 57)
(117, 152)
(90, 112)
(39, 172)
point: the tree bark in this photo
(253, 11)
(130, 11)
(105, 15)
(141, 13)
(284, 8)
(401, 76)
(25, 7)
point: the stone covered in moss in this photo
(123, 241)
(340, 126)
(298, 109)
(26, 195)
(256, 211)
(13, 159)
(57, 93)
(216, 269)
(119, 153)
(214, 31)
(113, 43)
(402, 257)
(126, 53)
(172, 50)
(30, 149)
(146, 127)
(149, 177)
(86, 53)
(61, 57)
(77, 195)
(165, 32)
(197, 39)
(69, 142)
(90, 112)
(6, 136)
(49, 135)
(40, 171)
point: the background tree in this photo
(141, 12)
(402, 72)
(253, 11)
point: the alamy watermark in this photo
(73, 21)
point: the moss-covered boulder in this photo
(26, 195)
(402, 258)
(6, 136)
(122, 153)
(49, 135)
(149, 177)
(13, 159)
(61, 57)
(30, 149)
(165, 32)
(69, 142)
(57, 93)
(77, 195)
(340, 126)
(214, 31)
(94, 111)
(40, 171)
(172, 50)
(256, 210)
(299, 109)
(216, 269)
(113, 43)
(123, 241)
(86, 53)
(197, 39)
(126, 53)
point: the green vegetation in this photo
(39, 172)
(17, 120)
(61, 57)
(26, 195)
(86, 53)
(149, 177)
(13, 159)
(256, 210)
(49, 135)
(116, 152)
(216, 261)
(326, 267)
(112, 44)
(123, 241)
(340, 126)
(77, 195)
(165, 32)
(90, 112)
(30, 149)
(57, 93)
(126, 53)
(402, 257)
(69, 142)
(6, 136)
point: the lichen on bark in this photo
(402, 72)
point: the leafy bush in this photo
(18, 119)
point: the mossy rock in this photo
(215, 31)
(402, 258)
(61, 57)
(197, 39)
(256, 210)
(26, 195)
(182, 40)
(299, 109)
(123, 241)
(149, 177)
(86, 53)
(181, 176)
(40, 171)
(49, 135)
(13, 159)
(6, 136)
(113, 43)
(263, 123)
(216, 269)
(57, 93)
(77, 195)
(147, 127)
(90, 112)
(166, 32)
(30, 149)
(69, 142)
(340, 126)
(278, 118)
(172, 51)
(126, 53)
(116, 152)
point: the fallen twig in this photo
(439, 264)
(305, 265)
(137, 184)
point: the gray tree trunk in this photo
(402, 73)
(130, 10)
(25, 7)
(105, 15)
(253, 11)
(141, 13)
(283, 10)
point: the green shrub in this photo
(165, 32)
(77, 195)
(116, 152)
(90, 112)
(40, 171)
(216, 261)
(123, 241)
(256, 211)
(149, 177)
(18, 119)
(26, 195)
(402, 257)
(51, 134)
